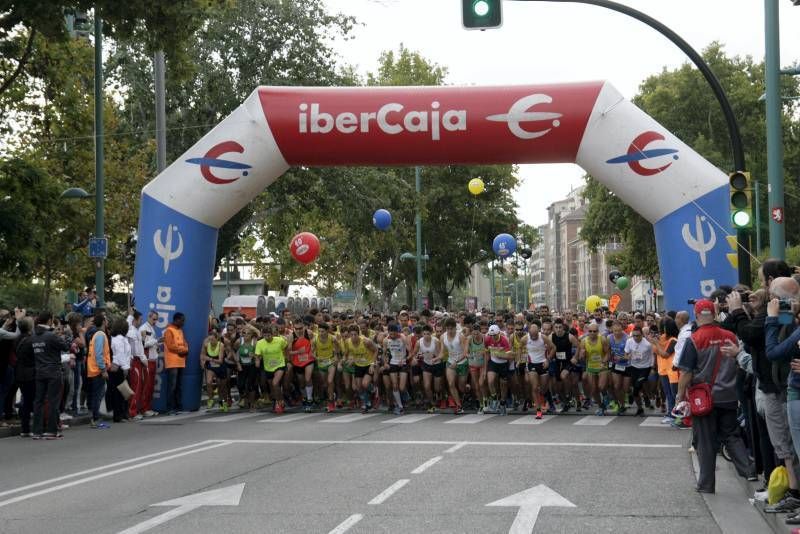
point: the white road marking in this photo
(287, 418)
(456, 447)
(159, 520)
(345, 525)
(166, 419)
(388, 492)
(654, 421)
(595, 420)
(470, 419)
(353, 417)
(409, 418)
(228, 418)
(422, 468)
(531, 420)
(456, 444)
(214, 444)
(103, 467)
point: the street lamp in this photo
(75, 193)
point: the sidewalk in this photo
(732, 505)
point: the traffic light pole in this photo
(742, 236)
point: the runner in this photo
(539, 350)
(456, 346)
(640, 353)
(360, 353)
(499, 355)
(212, 357)
(519, 385)
(397, 348)
(430, 350)
(247, 372)
(326, 349)
(595, 353)
(566, 347)
(271, 352)
(477, 367)
(621, 380)
(303, 363)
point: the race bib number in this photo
(620, 367)
(561, 355)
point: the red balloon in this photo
(304, 247)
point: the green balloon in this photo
(622, 283)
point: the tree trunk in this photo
(409, 296)
(48, 279)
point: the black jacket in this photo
(751, 332)
(26, 362)
(47, 349)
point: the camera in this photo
(785, 313)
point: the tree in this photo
(252, 43)
(681, 100)
(161, 25)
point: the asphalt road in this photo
(315, 473)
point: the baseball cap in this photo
(704, 307)
(494, 330)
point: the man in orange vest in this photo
(175, 351)
(98, 363)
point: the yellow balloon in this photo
(592, 303)
(476, 186)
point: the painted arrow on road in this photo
(229, 496)
(529, 503)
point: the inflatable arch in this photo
(590, 124)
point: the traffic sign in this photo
(777, 215)
(98, 247)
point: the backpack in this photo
(699, 396)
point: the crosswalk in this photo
(387, 419)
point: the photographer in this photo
(47, 349)
(782, 337)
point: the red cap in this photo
(704, 306)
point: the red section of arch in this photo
(518, 124)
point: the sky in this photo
(547, 42)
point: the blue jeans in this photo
(97, 387)
(793, 411)
(174, 377)
(670, 390)
(78, 372)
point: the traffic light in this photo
(481, 14)
(741, 200)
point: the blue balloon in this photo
(382, 219)
(504, 245)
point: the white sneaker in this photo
(65, 417)
(150, 413)
(138, 417)
(760, 496)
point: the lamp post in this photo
(418, 221)
(99, 223)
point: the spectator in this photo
(150, 342)
(138, 373)
(712, 348)
(175, 351)
(26, 374)
(120, 366)
(78, 349)
(98, 363)
(47, 349)
(87, 302)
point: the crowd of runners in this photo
(537, 362)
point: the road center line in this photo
(104, 467)
(456, 447)
(109, 473)
(345, 525)
(388, 492)
(426, 465)
(456, 444)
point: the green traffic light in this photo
(480, 8)
(741, 219)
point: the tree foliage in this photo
(682, 102)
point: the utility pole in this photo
(99, 223)
(772, 66)
(418, 220)
(161, 113)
